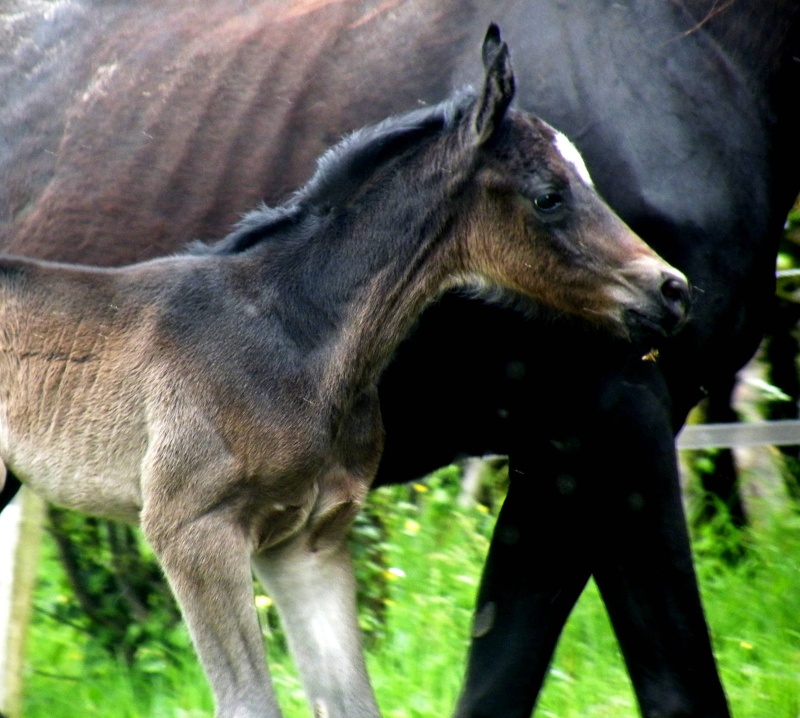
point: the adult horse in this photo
(129, 128)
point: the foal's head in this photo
(537, 226)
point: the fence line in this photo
(739, 435)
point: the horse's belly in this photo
(93, 467)
(86, 482)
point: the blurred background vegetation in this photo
(422, 569)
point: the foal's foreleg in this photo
(206, 560)
(313, 585)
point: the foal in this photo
(226, 398)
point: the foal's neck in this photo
(382, 312)
(379, 269)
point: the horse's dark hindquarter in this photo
(127, 131)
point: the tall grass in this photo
(432, 552)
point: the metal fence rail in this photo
(738, 435)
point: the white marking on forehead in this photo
(570, 153)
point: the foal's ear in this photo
(498, 86)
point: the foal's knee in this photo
(193, 542)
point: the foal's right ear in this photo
(498, 86)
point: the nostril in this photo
(676, 292)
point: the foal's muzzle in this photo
(663, 302)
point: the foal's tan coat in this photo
(228, 404)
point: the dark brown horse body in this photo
(130, 128)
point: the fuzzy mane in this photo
(340, 171)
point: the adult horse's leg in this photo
(641, 557)
(596, 492)
(535, 571)
(539, 559)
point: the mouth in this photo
(655, 299)
(645, 329)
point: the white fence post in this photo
(20, 536)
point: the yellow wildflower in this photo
(394, 573)
(411, 526)
(263, 601)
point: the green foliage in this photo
(100, 578)
(427, 569)
(793, 220)
(368, 546)
(754, 611)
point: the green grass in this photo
(432, 556)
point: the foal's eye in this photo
(548, 202)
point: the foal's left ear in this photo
(498, 86)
